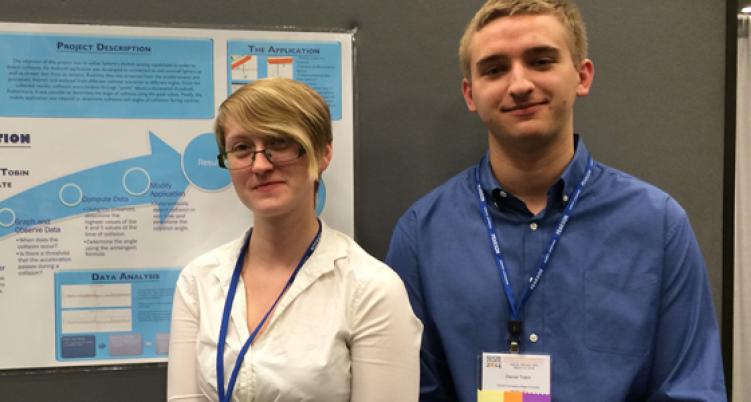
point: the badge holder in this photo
(514, 335)
(513, 377)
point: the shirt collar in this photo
(576, 169)
(330, 248)
(570, 177)
(226, 260)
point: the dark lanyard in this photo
(226, 397)
(515, 323)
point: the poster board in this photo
(108, 175)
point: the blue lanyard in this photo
(226, 397)
(534, 280)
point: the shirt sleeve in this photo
(688, 358)
(385, 342)
(435, 379)
(182, 371)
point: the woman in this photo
(292, 310)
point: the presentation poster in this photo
(109, 182)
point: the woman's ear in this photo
(328, 153)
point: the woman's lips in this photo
(267, 186)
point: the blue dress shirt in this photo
(623, 309)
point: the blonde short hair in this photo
(566, 12)
(279, 107)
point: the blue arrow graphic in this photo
(156, 178)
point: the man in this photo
(604, 275)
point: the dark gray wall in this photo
(656, 111)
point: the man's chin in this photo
(531, 133)
(532, 138)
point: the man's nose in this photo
(520, 85)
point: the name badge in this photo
(508, 377)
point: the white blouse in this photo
(343, 331)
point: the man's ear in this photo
(467, 92)
(586, 75)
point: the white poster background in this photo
(62, 146)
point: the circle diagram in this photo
(136, 181)
(70, 194)
(320, 197)
(7, 217)
(200, 165)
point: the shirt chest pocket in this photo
(621, 311)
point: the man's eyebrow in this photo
(490, 59)
(542, 50)
(536, 50)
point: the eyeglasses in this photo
(278, 151)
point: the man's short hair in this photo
(566, 12)
(279, 107)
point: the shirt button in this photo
(565, 198)
(533, 226)
(533, 338)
